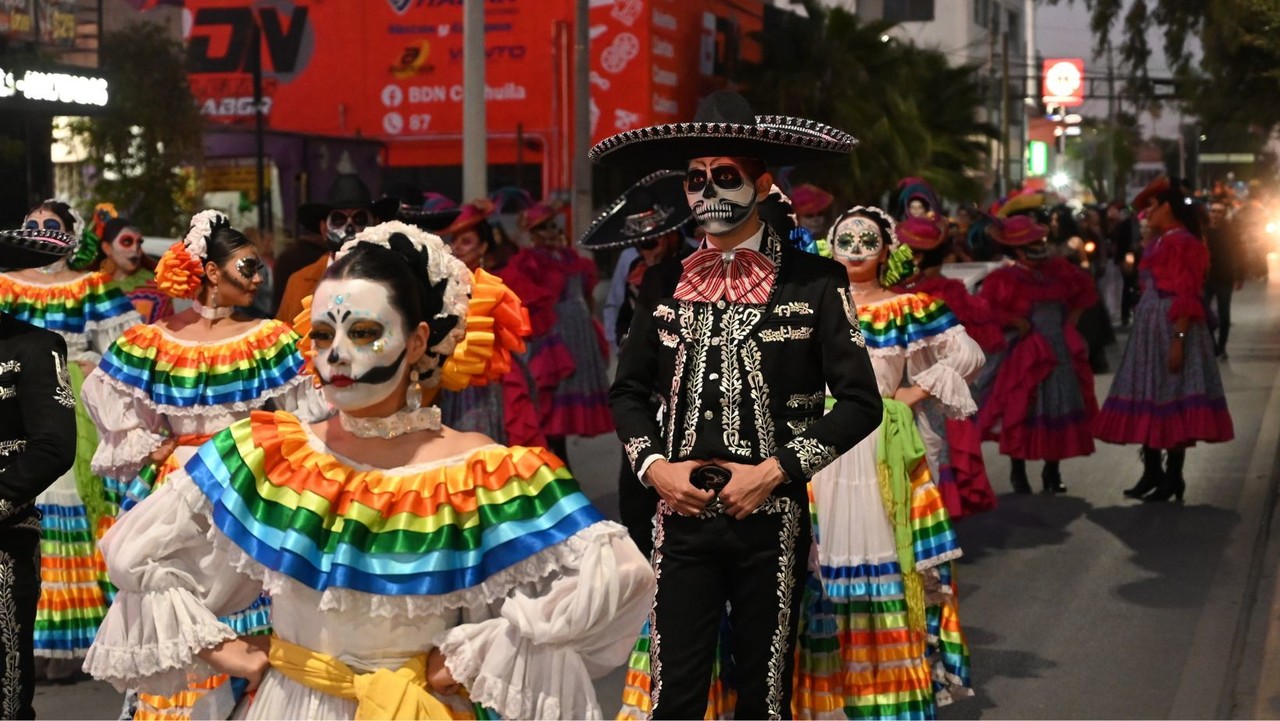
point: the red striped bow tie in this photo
(739, 276)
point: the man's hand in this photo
(750, 486)
(438, 676)
(671, 481)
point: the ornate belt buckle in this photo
(711, 477)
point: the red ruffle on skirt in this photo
(970, 490)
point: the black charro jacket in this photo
(37, 419)
(743, 382)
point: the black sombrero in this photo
(347, 191)
(724, 126)
(651, 208)
(34, 248)
(432, 221)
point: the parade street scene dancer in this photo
(740, 341)
(37, 445)
(521, 591)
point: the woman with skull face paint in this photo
(88, 310)
(415, 571)
(121, 250)
(1042, 402)
(883, 534)
(1167, 394)
(162, 389)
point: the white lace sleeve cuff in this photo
(122, 455)
(949, 388)
(150, 640)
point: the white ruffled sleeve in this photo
(129, 427)
(536, 659)
(943, 366)
(103, 333)
(304, 400)
(174, 583)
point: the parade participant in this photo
(88, 311)
(1042, 400)
(1226, 270)
(917, 199)
(415, 571)
(1071, 240)
(647, 221)
(121, 246)
(739, 341)
(811, 205)
(490, 408)
(884, 537)
(960, 472)
(578, 405)
(37, 445)
(162, 389)
(346, 210)
(1167, 394)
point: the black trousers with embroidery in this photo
(19, 592)
(756, 568)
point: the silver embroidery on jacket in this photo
(786, 333)
(800, 425)
(664, 312)
(7, 392)
(701, 334)
(851, 312)
(780, 646)
(635, 447)
(11, 366)
(813, 455)
(806, 400)
(667, 338)
(751, 358)
(10, 632)
(63, 393)
(795, 307)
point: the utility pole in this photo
(475, 163)
(581, 117)
(1110, 186)
(1004, 113)
(259, 133)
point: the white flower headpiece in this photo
(441, 265)
(891, 241)
(202, 225)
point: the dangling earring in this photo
(413, 396)
(213, 297)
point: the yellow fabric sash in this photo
(400, 695)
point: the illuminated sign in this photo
(53, 87)
(1064, 81)
(1037, 158)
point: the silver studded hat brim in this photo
(35, 248)
(774, 139)
(609, 229)
(433, 221)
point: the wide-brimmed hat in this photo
(1020, 204)
(1154, 188)
(1017, 230)
(724, 126)
(434, 221)
(471, 215)
(651, 208)
(809, 199)
(347, 191)
(34, 248)
(921, 233)
(540, 214)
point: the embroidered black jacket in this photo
(740, 382)
(37, 418)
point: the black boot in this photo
(1174, 485)
(1051, 477)
(1018, 476)
(1152, 474)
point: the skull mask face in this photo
(720, 194)
(342, 225)
(360, 342)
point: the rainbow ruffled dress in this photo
(151, 386)
(873, 643)
(150, 302)
(493, 556)
(88, 312)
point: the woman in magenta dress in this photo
(1167, 394)
(1042, 403)
(962, 474)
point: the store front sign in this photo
(52, 87)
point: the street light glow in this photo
(884, 38)
(1060, 179)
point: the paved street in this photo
(1087, 605)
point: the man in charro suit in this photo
(37, 445)
(742, 341)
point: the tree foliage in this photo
(914, 114)
(1100, 139)
(143, 146)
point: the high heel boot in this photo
(1051, 478)
(1018, 476)
(1152, 474)
(1174, 485)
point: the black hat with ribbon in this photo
(347, 192)
(651, 208)
(34, 248)
(724, 126)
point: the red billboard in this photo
(392, 69)
(1064, 81)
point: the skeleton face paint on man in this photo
(720, 194)
(856, 239)
(360, 342)
(342, 224)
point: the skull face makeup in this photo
(342, 225)
(720, 194)
(856, 239)
(360, 342)
(126, 250)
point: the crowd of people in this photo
(346, 493)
